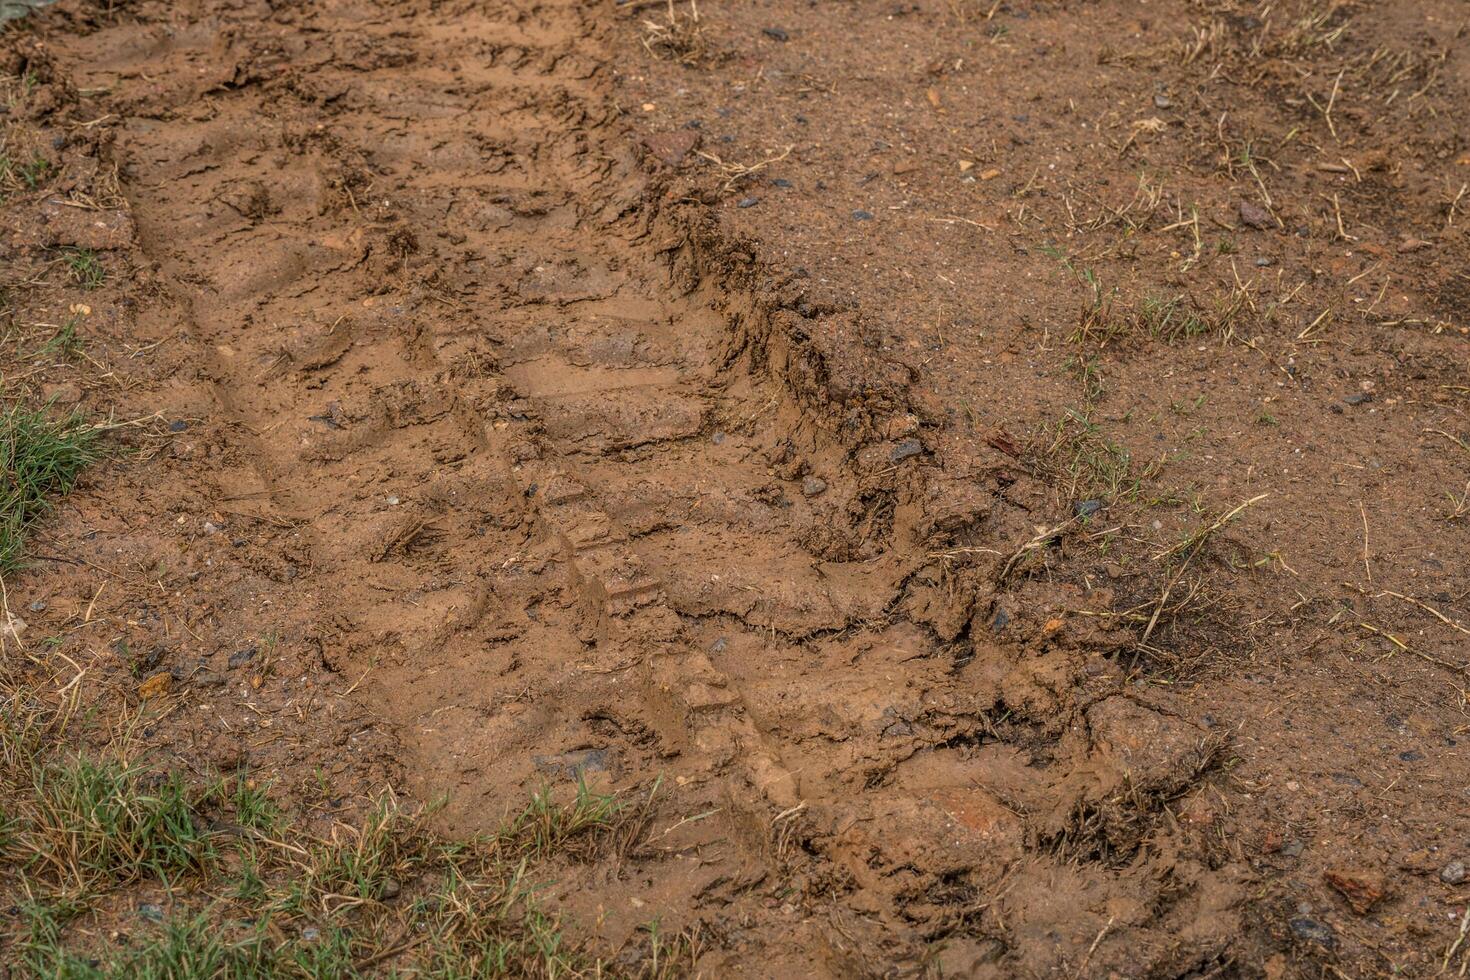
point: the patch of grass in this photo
(545, 827)
(85, 268)
(23, 175)
(40, 456)
(92, 821)
(65, 343)
(249, 893)
(1084, 463)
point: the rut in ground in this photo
(567, 498)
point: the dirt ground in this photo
(1002, 471)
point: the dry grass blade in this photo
(734, 173)
(1193, 541)
(679, 38)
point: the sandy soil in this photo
(1002, 468)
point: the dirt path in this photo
(560, 481)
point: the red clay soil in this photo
(1003, 468)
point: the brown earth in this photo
(1002, 468)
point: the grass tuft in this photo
(85, 268)
(40, 455)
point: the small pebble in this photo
(1254, 216)
(775, 33)
(209, 528)
(208, 678)
(717, 438)
(780, 182)
(813, 486)
(1359, 397)
(1452, 873)
(391, 888)
(1264, 262)
(38, 606)
(861, 215)
(311, 934)
(179, 426)
(1161, 101)
(748, 202)
(392, 501)
(1086, 508)
(151, 912)
(1293, 848)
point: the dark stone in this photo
(179, 426)
(241, 657)
(861, 215)
(776, 34)
(748, 202)
(1086, 508)
(1314, 931)
(905, 450)
(574, 763)
(1359, 398)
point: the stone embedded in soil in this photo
(1452, 873)
(776, 33)
(748, 202)
(208, 678)
(672, 148)
(1086, 508)
(861, 215)
(813, 486)
(906, 449)
(1363, 889)
(574, 763)
(1310, 929)
(1359, 398)
(1255, 216)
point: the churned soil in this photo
(1000, 471)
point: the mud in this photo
(507, 449)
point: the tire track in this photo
(555, 510)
